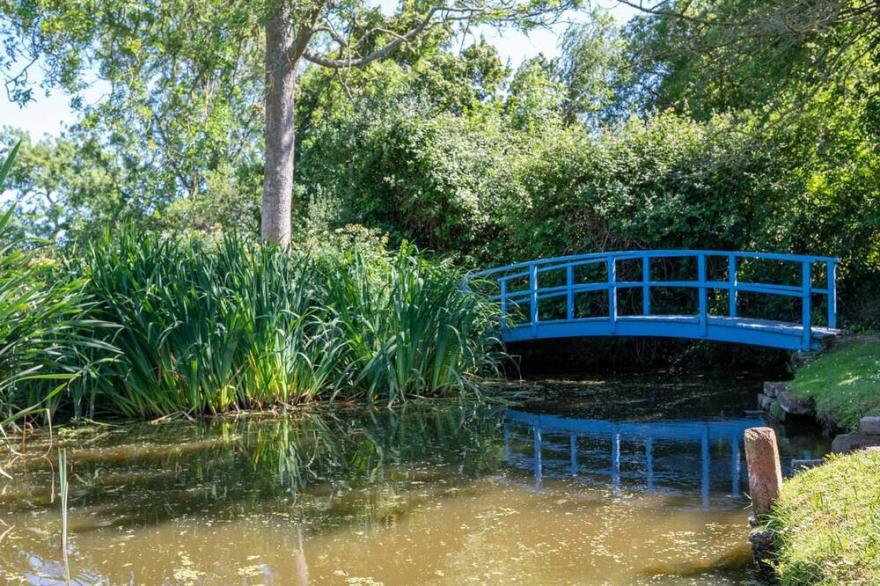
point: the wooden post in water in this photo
(765, 472)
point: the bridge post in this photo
(503, 303)
(612, 292)
(806, 305)
(832, 294)
(533, 298)
(731, 280)
(646, 288)
(704, 294)
(569, 292)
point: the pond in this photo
(614, 481)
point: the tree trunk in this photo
(281, 66)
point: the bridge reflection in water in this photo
(669, 456)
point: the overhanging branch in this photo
(380, 53)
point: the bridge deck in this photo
(741, 330)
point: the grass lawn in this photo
(827, 523)
(844, 382)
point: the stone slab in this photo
(764, 402)
(852, 442)
(763, 552)
(795, 405)
(772, 388)
(869, 425)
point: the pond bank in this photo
(824, 527)
(826, 523)
(837, 387)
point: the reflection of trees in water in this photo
(227, 468)
(417, 441)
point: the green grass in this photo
(844, 382)
(827, 523)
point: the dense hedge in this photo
(489, 193)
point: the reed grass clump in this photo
(45, 324)
(208, 327)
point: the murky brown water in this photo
(598, 488)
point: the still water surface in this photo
(619, 481)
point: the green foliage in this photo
(827, 523)
(435, 178)
(845, 382)
(44, 325)
(206, 328)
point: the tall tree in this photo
(706, 56)
(185, 68)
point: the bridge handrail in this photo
(534, 293)
(672, 253)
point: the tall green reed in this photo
(45, 328)
(210, 327)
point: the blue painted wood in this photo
(569, 292)
(831, 288)
(703, 325)
(703, 310)
(533, 297)
(612, 291)
(503, 285)
(806, 305)
(731, 285)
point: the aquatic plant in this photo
(45, 329)
(206, 327)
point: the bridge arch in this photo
(520, 289)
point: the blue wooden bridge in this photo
(539, 299)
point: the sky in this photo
(50, 113)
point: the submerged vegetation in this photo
(827, 523)
(844, 382)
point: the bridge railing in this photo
(534, 292)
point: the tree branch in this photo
(378, 53)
